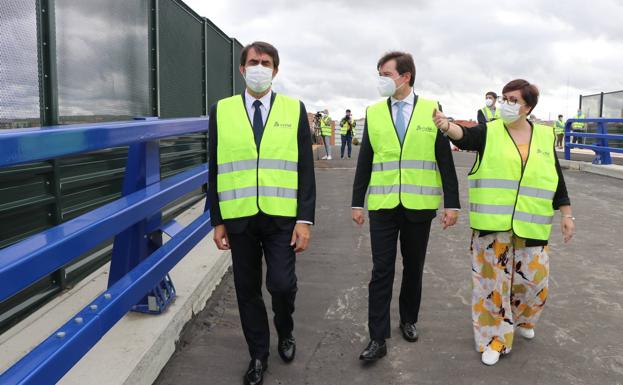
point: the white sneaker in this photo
(324, 157)
(526, 333)
(490, 356)
(329, 157)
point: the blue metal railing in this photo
(140, 263)
(601, 148)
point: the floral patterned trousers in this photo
(509, 287)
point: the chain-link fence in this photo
(67, 61)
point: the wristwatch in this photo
(569, 216)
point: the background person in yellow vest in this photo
(578, 127)
(325, 131)
(347, 129)
(489, 112)
(262, 193)
(559, 131)
(515, 186)
(404, 164)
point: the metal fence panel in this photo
(180, 52)
(19, 64)
(239, 84)
(219, 63)
(102, 60)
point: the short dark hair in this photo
(491, 93)
(529, 92)
(347, 110)
(560, 116)
(260, 47)
(404, 63)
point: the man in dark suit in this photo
(404, 164)
(262, 195)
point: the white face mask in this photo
(386, 86)
(488, 102)
(509, 113)
(258, 78)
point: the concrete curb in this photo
(610, 170)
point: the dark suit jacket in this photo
(306, 205)
(445, 162)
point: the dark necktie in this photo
(258, 123)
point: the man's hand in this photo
(220, 237)
(440, 120)
(357, 215)
(300, 237)
(449, 218)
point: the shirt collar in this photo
(408, 100)
(249, 99)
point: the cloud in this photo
(329, 49)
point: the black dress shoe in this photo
(409, 332)
(374, 351)
(255, 373)
(287, 348)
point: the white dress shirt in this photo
(249, 100)
(264, 108)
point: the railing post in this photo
(603, 156)
(567, 140)
(136, 243)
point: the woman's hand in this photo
(567, 227)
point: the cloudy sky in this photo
(462, 49)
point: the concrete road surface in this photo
(578, 341)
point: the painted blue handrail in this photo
(140, 259)
(601, 148)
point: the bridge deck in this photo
(578, 339)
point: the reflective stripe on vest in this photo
(249, 180)
(503, 195)
(406, 174)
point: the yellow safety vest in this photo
(559, 127)
(325, 125)
(345, 127)
(579, 125)
(404, 174)
(506, 195)
(249, 180)
(490, 116)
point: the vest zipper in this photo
(523, 167)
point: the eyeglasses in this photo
(510, 102)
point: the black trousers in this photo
(270, 237)
(385, 227)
